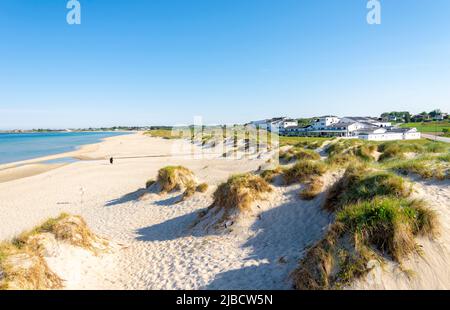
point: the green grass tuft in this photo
(358, 184)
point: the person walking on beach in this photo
(111, 160)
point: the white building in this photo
(383, 134)
(274, 124)
(368, 120)
(324, 121)
(367, 128)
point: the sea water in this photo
(23, 146)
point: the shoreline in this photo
(31, 167)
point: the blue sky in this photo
(154, 62)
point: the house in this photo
(367, 120)
(288, 123)
(384, 134)
(392, 118)
(274, 124)
(340, 129)
(440, 116)
(420, 118)
(324, 121)
(366, 128)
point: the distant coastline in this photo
(112, 129)
(29, 146)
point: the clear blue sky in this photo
(153, 62)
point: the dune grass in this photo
(240, 191)
(312, 189)
(173, 178)
(359, 183)
(305, 142)
(444, 158)
(426, 167)
(65, 227)
(189, 191)
(22, 263)
(375, 220)
(202, 188)
(168, 134)
(303, 171)
(397, 149)
(298, 153)
(342, 145)
(391, 151)
(389, 224)
(345, 152)
(270, 174)
(48, 226)
(24, 269)
(377, 229)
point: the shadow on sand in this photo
(130, 197)
(282, 235)
(134, 197)
(172, 229)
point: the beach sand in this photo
(159, 249)
(27, 170)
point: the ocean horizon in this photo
(24, 146)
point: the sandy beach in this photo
(160, 252)
(157, 248)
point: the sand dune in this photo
(162, 250)
(430, 269)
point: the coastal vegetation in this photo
(343, 152)
(173, 178)
(303, 171)
(426, 167)
(164, 133)
(363, 235)
(202, 188)
(312, 189)
(233, 200)
(359, 183)
(375, 217)
(240, 191)
(375, 220)
(270, 174)
(298, 153)
(22, 260)
(306, 142)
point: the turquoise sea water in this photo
(23, 146)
